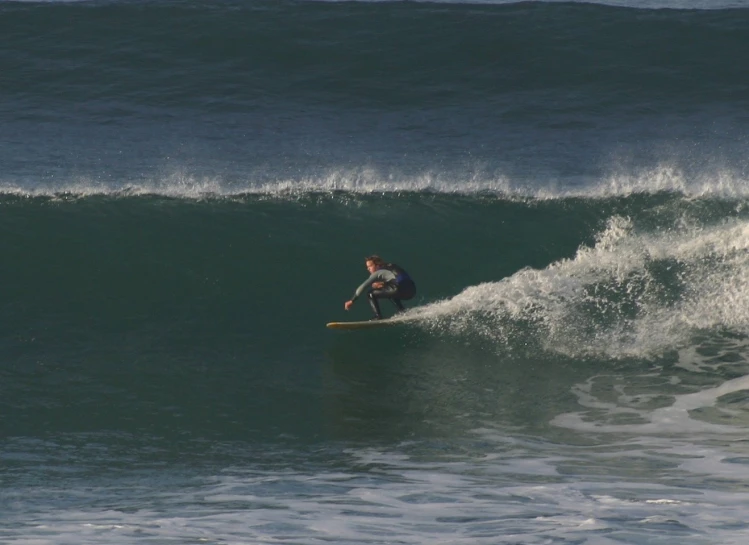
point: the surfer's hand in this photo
(347, 304)
(378, 285)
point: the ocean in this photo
(188, 190)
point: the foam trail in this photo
(631, 294)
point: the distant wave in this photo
(722, 184)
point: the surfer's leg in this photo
(387, 292)
(375, 304)
(400, 294)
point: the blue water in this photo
(187, 194)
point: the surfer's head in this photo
(374, 262)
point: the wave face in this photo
(187, 194)
(581, 276)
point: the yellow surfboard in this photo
(362, 325)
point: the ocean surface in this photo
(188, 190)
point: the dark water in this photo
(187, 192)
(230, 95)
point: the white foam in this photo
(180, 183)
(631, 294)
(403, 493)
(674, 419)
(411, 503)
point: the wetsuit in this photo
(398, 286)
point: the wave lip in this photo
(722, 184)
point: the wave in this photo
(633, 275)
(628, 277)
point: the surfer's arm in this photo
(374, 277)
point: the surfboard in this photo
(362, 325)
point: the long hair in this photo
(377, 260)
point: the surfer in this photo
(386, 281)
